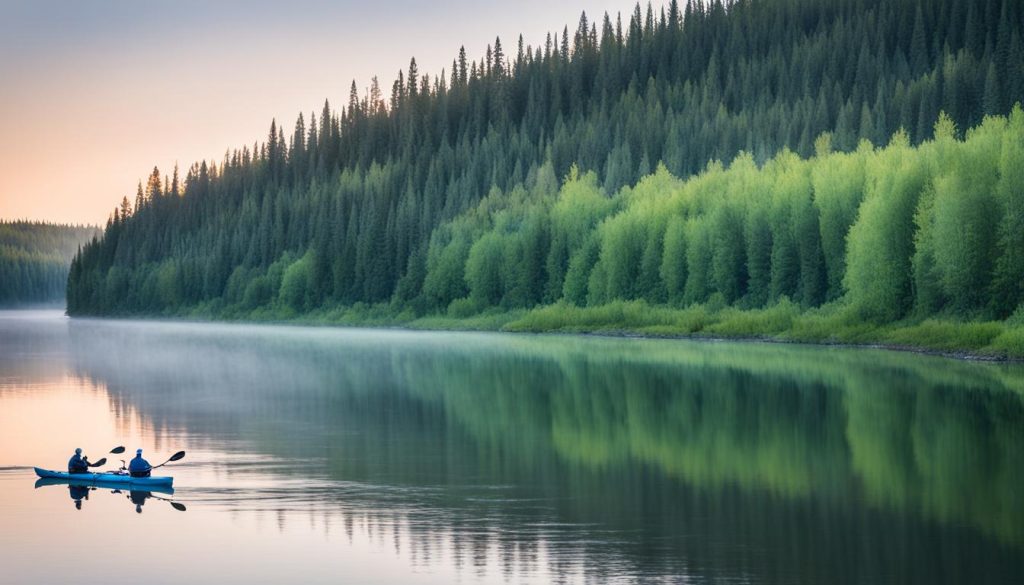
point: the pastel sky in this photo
(94, 93)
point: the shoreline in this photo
(447, 324)
(962, 355)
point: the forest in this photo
(35, 258)
(844, 170)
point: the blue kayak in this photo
(105, 478)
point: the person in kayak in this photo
(77, 463)
(139, 467)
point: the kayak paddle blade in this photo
(177, 456)
(117, 450)
(178, 507)
(98, 463)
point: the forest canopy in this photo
(35, 258)
(862, 154)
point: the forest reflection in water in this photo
(599, 458)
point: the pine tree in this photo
(992, 100)
(919, 61)
(361, 192)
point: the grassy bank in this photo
(784, 321)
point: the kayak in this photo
(160, 489)
(105, 478)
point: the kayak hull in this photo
(132, 487)
(105, 478)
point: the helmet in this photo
(138, 451)
(78, 451)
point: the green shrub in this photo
(462, 308)
(757, 322)
(1009, 343)
(947, 335)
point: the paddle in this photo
(175, 505)
(115, 450)
(176, 457)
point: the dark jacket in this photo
(77, 465)
(139, 467)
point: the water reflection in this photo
(587, 458)
(80, 491)
(77, 493)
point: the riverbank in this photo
(784, 322)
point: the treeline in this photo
(889, 232)
(34, 259)
(448, 194)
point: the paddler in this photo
(77, 463)
(139, 467)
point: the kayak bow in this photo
(105, 478)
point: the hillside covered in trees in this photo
(550, 183)
(34, 260)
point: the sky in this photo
(94, 94)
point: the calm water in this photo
(356, 456)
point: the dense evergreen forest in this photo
(841, 175)
(34, 260)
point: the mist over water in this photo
(326, 455)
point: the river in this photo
(321, 455)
